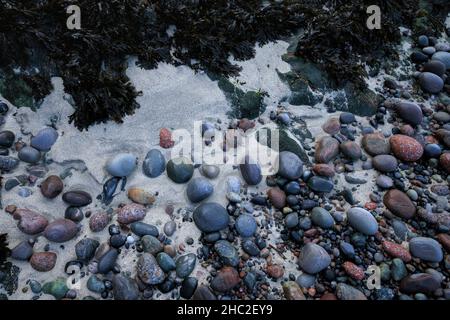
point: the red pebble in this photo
(396, 251)
(165, 138)
(353, 270)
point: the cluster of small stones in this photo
(401, 227)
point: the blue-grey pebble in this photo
(426, 249)
(29, 155)
(211, 217)
(44, 139)
(154, 164)
(199, 189)
(362, 220)
(122, 165)
(290, 165)
(227, 253)
(165, 262)
(245, 225)
(322, 218)
(313, 258)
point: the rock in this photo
(203, 293)
(211, 217)
(52, 186)
(362, 221)
(444, 161)
(306, 280)
(30, 222)
(169, 228)
(74, 213)
(124, 288)
(245, 225)
(199, 189)
(442, 134)
(117, 240)
(85, 249)
(250, 248)
(180, 170)
(11, 184)
(435, 66)
(444, 240)
(429, 50)
(210, 171)
(188, 287)
(406, 148)
(43, 261)
(122, 165)
(227, 253)
(423, 41)
(399, 204)
(410, 113)
(99, 221)
(332, 126)
(57, 288)
(347, 118)
(165, 262)
(385, 163)
(419, 282)
(320, 184)
(419, 57)
(141, 229)
(7, 138)
(327, 148)
(353, 270)
(398, 269)
(384, 182)
(313, 258)
(61, 230)
(323, 169)
(443, 57)
(95, 284)
(275, 271)
(396, 251)
(141, 196)
(154, 164)
(24, 192)
(426, 249)
(148, 270)
(226, 279)
(233, 184)
(347, 249)
(185, 265)
(375, 144)
(29, 155)
(130, 213)
(290, 165)
(291, 220)
(23, 251)
(165, 138)
(35, 287)
(251, 172)
(107, 261)
(277, 197)
(431, 83)
(44, 139)
(322, 218)
(8, 163)
(441, 116)
(351, 150)
(347, 292)
(151, 244)
(77, 198)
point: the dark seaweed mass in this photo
(338, 39)
(204, 33)
(4, 250)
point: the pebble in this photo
(121, 165)
(57, 288)
(410, 113)
(419, 282)
(124, 288)
(320, 184)
(141, 229)
(435, 66)
(233, 184)
(347, 249)
(429, 50)
(347, 118)
(29, 155)
(327, 148)
(322, 218)
(24, 192)
(107, 261)
(74, 213)
(384, 182)
(98, 221)
(210, 171)
(85, 249)
(292, 291)
(375, 144)
(245, 225)
(151, 244)
(399, 204)
(291, 220)
(165, 262)
(43, 261)
(275, 271)
(323, 169)
(441, 116)
(23, 251)
(211, 217)
(198, 189)
(423, 41)
(431, 83)
(61, 230)
(30, 222)
(347, 292)
(44, 139)
(95, 284)
(385, 163)
(432, 150)
(277, 197)
(180, 170)
(444, 161)
(188, 287)
(8, 163)
(251, 172)
(250, 248)
(226, 279)
(362, 220)
(398, 269)
(7, 138)
(426, 249)
(332, 126)
(400, 229)
(444, 240)
(51, 187)
(442, 56)
(353, 270)
(35, 287)
(130, 213)
(154, 164)
(313, 258)
(203, 293)
(140, 196)
(185, 265)
(351, 150)
(290, 165)
(227, 253)
(169, 228)
(396, 251)
(77, 198)
(306, 280)
(148, 270)
(406, 148)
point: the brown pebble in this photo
(43, 261)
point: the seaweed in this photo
(4, 250)
(202, 34)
